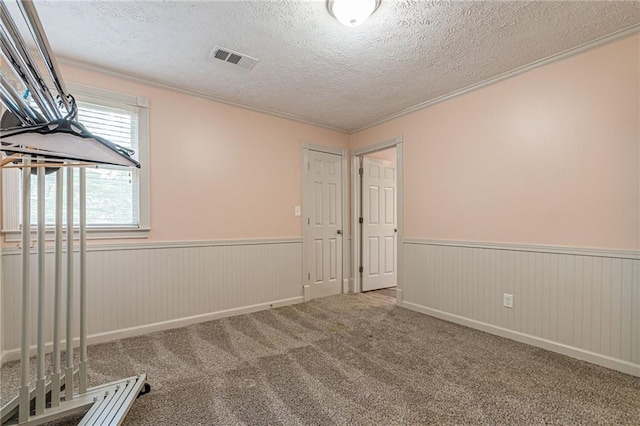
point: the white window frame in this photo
(10, 182)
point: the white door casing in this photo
(324, 222)
(379, 228)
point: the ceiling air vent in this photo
(236, 58)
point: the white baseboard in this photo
(399, 297)
(14, 354)
(603, 360)
(345, 285)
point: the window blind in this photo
(112, 192)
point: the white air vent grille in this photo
(236, 58)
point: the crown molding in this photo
(611, 38)
(154, 83)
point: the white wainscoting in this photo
(580, 302)
(144, 287)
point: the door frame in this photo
(306, 205)
(356, 197)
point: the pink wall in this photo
(548, 157)
(217, 171)
(387, 154)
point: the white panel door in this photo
(379, 228)
(325, 223)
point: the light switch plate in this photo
(296, 210)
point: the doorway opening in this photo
(377, 219)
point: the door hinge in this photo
(308, 165)
(361, 220)
(308, 221)
(309, 276)
(361, 171)
(361, 269)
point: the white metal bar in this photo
(10, 409)
(19, 58)
(57, 300)
(42, 43)
(50, 164)
(10, 103)
(83, 280)
(115, 405)
(116, 397)
(96, 411)
(69, 334)
(96, 400)
(40, 385)
(122, 394)
(24, 109)
(80, 404)
(26, 283)
(135, 387)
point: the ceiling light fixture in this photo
(352, 12)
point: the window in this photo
(117, 201)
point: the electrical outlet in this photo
(507, 300)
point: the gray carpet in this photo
(353, 359)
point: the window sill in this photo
(101, 233)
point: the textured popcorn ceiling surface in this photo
(311, 66)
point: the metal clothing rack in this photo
(64, 391)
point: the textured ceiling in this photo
(311, 66)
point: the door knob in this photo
(339, 231)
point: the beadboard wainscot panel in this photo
(139, 288)
(584, 303)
